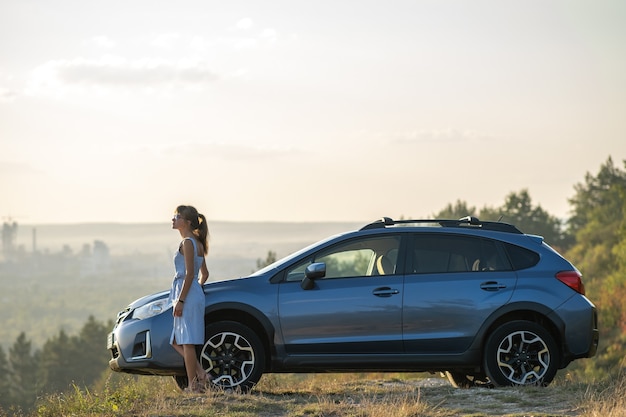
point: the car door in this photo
(453, 283)
(355, 309)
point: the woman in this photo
(186, 294)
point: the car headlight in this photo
(151, 309)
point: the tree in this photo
(596, 219)
(269, 259)
(5, 394)
(598, 224)
(58, 363)
(518, 209)
(459, 210)
(75, 360)
(90, 356)
(23, 365)
(594, 196)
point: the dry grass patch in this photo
(605, 399)
(341, 395)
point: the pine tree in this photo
(5, 395)
(24, 373)
(91, 357)
(459, 210)
(518, 209)
(59, 368)
(596, 220)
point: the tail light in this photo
(572, 279)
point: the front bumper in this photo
(142, 346)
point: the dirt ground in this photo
(385, 397)
(518, 401)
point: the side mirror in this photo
(313, 272)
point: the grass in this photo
(338, 395)
(606, 399)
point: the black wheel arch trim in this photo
(223, 311)
(529, 311)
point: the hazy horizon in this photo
(251, 240)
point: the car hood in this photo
(148, 298)
(164, 294)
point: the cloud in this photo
(166, 40)
(100, 42)
(265, 37)
(269, 34)
(114, 71)
(185, 67)
(246, 43)
(244, 24)
(7, 96)
(193, 43)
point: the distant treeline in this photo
(27, 374)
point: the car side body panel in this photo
(443, 312)
(357, 315)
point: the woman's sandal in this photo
(204, 380)
(195, 388)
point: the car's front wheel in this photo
(521, 353)
(233, 355)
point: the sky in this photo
(289, 110)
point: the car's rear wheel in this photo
(521, 353)
(233, 355)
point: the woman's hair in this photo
(198, 224)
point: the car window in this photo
(445, 253)
(521, 258)
(355, 258)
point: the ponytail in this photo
(202, 232)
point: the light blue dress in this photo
(188, 329)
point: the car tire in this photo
(520, 353)
(233, 356)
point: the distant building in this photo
(95, 261)
(9, 233)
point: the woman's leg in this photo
(195, 373)
(200, 375)
(178, 348)
(191, 365)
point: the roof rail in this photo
(468, 221)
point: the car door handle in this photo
(492, 286)
(385, 292)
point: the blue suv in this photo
(479, 301)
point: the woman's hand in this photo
(178, 309)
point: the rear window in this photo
(456, 253)
(521, 258)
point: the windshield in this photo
(294, 255)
